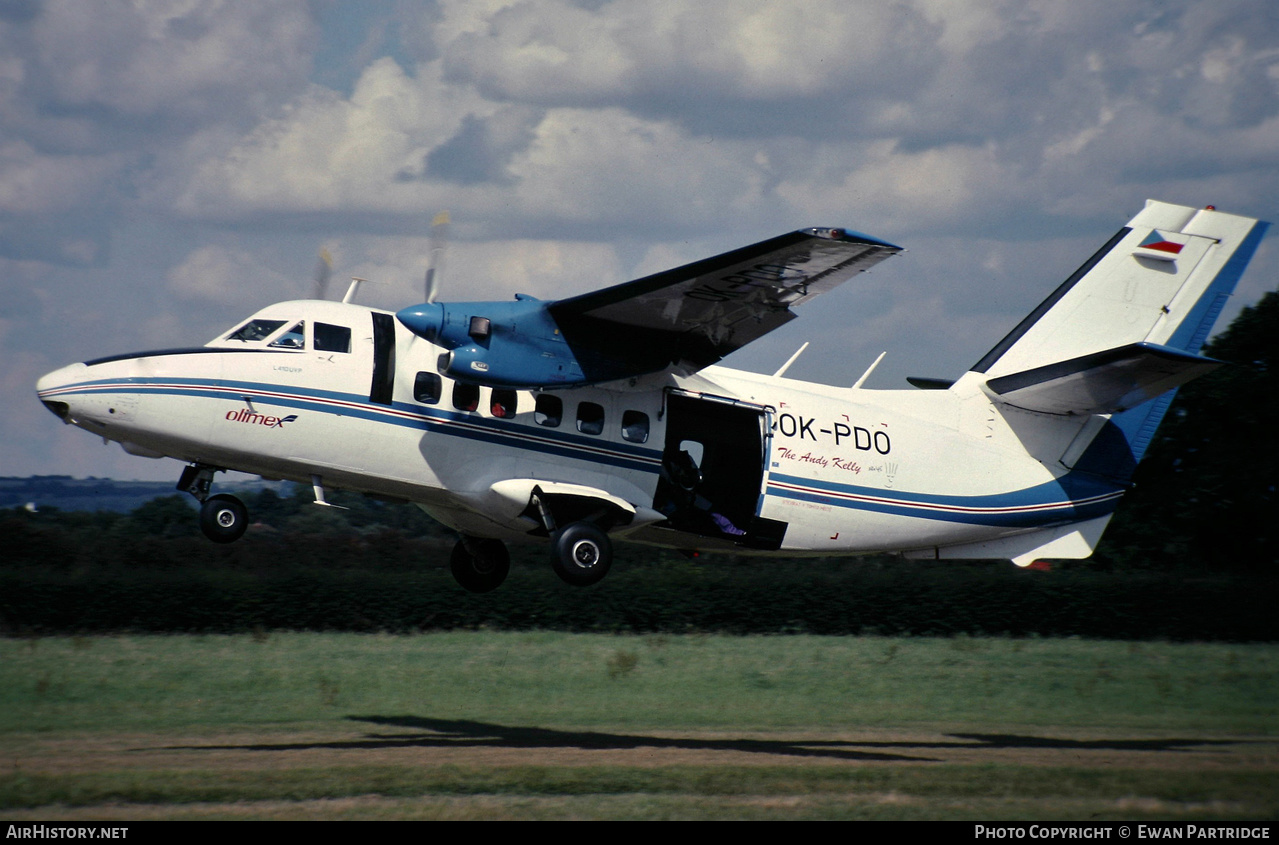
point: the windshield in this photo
(255, 330)
(294, 338)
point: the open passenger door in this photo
(713, 470)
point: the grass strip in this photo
(1256, 789)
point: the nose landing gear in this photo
(223, 518)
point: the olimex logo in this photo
(251, 417)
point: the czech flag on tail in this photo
(1160, 246)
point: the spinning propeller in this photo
(323, 272)
(439, 241)
(434, 270)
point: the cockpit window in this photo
(255, 330)
(294, 338)
(332, 338)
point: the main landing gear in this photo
(223, 518)
(581, 555)
(581, 552)
(480, 565)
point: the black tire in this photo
(582, 554)
(223, 518)
(483, 571)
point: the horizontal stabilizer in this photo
(1103, 382)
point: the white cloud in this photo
(475, 271)
(228, 274)
(607, 116)
(37, 184)
(50, 203)
(555, 52)
(585, 164)
(904, 190)
(372, 154)
(170, 58)
(327, 153)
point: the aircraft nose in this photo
(52, 385)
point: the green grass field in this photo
(544, 725)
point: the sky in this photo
(167, 167)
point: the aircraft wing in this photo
(692, 316)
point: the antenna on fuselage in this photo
(869, 370)
(790, 360)
(350, 292)
(435, 267)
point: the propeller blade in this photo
(323, 270)
(439, 241)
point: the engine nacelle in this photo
(498, 344)
(509, 363)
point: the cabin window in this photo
(332, 338)
(548, 410)
(255, 330)
(466, 397)
(590, 418)
(427, 388)
(635, 426)
(294, 338)
(503, 404)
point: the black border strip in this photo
(189, 350)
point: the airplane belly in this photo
(329, 440)
(170, 425)
(813, 529)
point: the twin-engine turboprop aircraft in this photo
(603, 417)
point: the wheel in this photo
(582, 554)
(223, 518)
(482, 567)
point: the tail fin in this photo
(1161, 280)
(1112, 344)
(1124, 331)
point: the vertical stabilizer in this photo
(1162, 280)
(1126, 325)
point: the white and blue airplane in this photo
(604, 417)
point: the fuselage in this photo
(312, 390)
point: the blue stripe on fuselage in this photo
(420, 417)
(1070, 498)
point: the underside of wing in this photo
(693, 316)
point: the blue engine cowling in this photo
(498, 344)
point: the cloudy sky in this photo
(169, 166)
